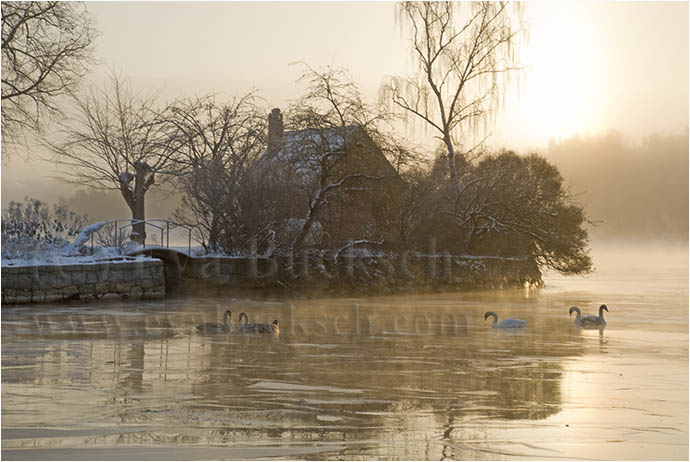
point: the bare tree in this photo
(46, 50)
(461, 68)
(220, 144)
(402, 153)
(332, 125)
(116, 140)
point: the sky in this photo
(589, 67)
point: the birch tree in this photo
(464, 53)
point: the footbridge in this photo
(118, 233)
(174, 262)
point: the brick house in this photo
(365, 206)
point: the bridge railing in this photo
(118, 236)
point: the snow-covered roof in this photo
(303, 148)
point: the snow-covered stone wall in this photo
(47, 283)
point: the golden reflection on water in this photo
(410, 377)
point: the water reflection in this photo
(386, 378)
(339, 371)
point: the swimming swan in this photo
(506, 323)
(216, 327)
(589, 320)
(259, 327)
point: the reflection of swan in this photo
(258, 327)
(589, 320)
(506, 323)
(216, 327)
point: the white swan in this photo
(216, 327)
(506, 323)
(259, 328)
(589, 320)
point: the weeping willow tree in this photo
(465, 54)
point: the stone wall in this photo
(315, 273)
(39, 284)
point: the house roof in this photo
(303, 149)
(301, 143)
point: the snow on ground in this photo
(74, 247)
(57, 257)
(59, 260)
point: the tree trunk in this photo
(143, 179)
(134, 196)
(454, 178)
(299, 240)
(311, 215)
(139, 213)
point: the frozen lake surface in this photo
(404, 377)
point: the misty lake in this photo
(400, 377)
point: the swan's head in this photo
(489, 313)
(573, 309)
(228, 313)
(603, 307)
(275, 322)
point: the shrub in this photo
(33, 228)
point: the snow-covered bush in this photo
(32, 228)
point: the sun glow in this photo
(561, 94)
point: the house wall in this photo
(364, 208)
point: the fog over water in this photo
(403, 377)
(633, 191)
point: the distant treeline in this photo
(104, 205)
(636, 191)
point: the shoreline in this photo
(308, 276)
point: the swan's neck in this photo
(246, 320)
(226, 320)
(493, 324)
(578, 315)
(601, 313)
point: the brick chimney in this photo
(275, 130)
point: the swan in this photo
(589, 320)
(216, 327)
(259, 327)
(506, 323)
